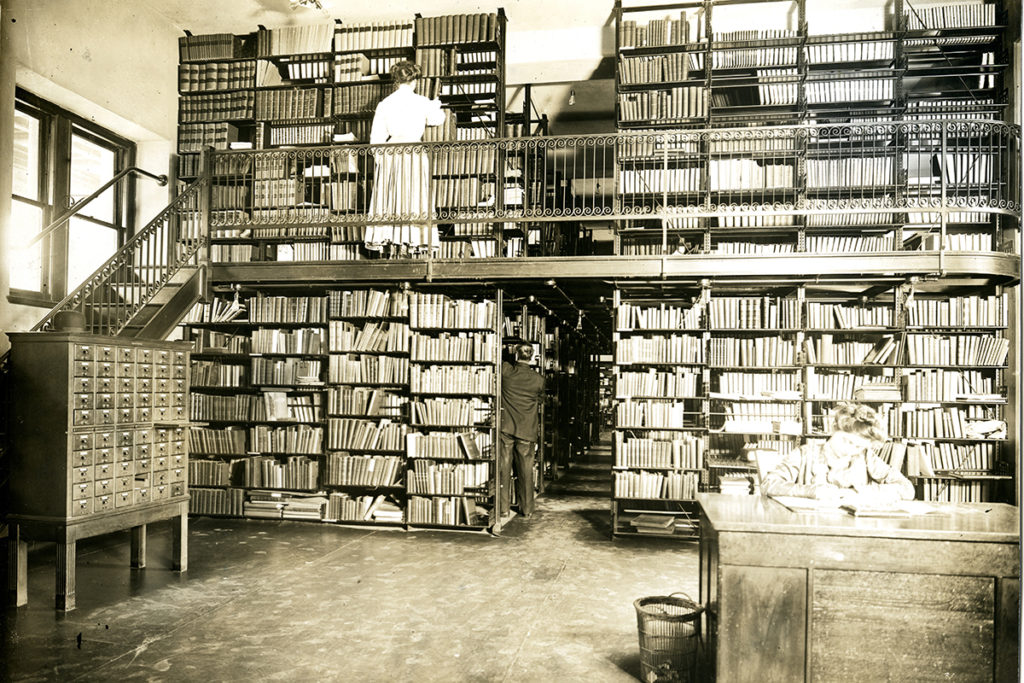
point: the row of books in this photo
(298, 438)
(374, 36)
(209, 46)
(473, 445)
(196, 137)
(452, 511)
(432, 478)
(216, 76)
(286, 371)
(756, 384)
(451, 379)
(648, 413)
(673, 104)
(357, 99)
(448, 61)
(287, 309)
(829, 244)
(774, 87)
(963, 349)
(463, 161)
(652, 69)
(341, 469)
(294, 103)
(208, 373)
(737, 412)
(429, 310)
(955, 491)
(852, 51)
(297, 473)
(943, 456)
(678, 383)
(279, 406)
(371, 336)
(667, 31)
(661, 317)
(957, 15)
(457, 28)
(356, 434)
(229, 196)
(229, 441)
(933, 241)
(345, 400)
(839, 386)
(291, 40)
(341, 507)
(825, 350)
(464, 193)
(213, 407)
(746, 58)
(846, 317)
(658, 180)
(209, 473)
(763, 352)
(752, 313)
(752, 248)
(660, 349)
(748, 174)
(216, 501)
(656, 485)
(684, 452)
(367, 369)
(225, 106)
(949, 385)
(302, 340)
(950, 422)
(474, 347)
(452, 411)
(368, 303)
(855, 172)
(849, 90)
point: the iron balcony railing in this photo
(130, 278)
(890, 180)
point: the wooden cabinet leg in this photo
(66, 575)
(139, 546)
(17, 567)
(179, 536)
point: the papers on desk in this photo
(851, 505)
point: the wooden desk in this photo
(824, 596)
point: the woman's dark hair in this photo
(405, 72)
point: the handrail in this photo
(79, 205)
(144, 264)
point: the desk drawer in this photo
(81, 474)
(81, 507)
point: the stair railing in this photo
(111, 296)
(81, 204)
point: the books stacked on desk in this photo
(735, 484)
(654, 524)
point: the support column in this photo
(139, 546)
(66, 575)
(17, 566)
(179, 540)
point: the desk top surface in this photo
(979, 522)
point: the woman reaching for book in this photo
(401, 177)
(845, 466)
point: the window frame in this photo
(57, 127)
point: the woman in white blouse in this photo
(401, 180)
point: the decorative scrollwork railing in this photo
(128, 280)
(938, 167)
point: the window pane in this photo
(91, 166)
(89, 246)
(25, 263)
(26, 155)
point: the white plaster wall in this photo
(111, 61)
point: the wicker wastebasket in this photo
(669, 629)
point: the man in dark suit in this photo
(522, 390)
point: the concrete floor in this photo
(549, 600)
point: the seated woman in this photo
(844, 466)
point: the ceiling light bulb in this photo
(572, 96)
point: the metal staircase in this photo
(148, 285)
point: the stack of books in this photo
(735, 484)
(654, 524)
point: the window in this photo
(60, 158)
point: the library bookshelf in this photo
(705, 376)
(362, 406)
